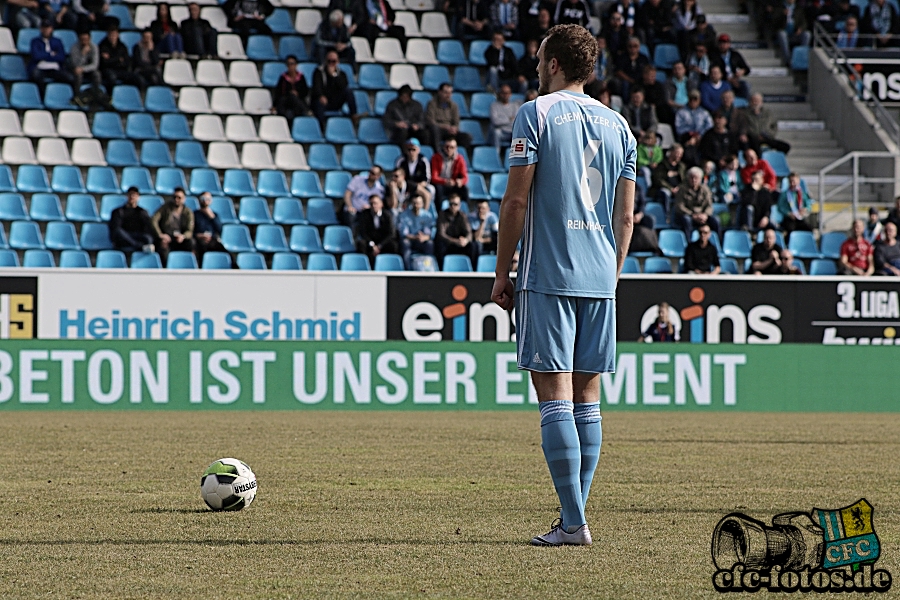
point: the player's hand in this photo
(502, 294)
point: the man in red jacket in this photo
(753, 164)
(448, 172)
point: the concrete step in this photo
(773, 85)
(821, 136)
(790, 110)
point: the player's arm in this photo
(622, 221)
(512, 221)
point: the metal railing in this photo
(854, 180)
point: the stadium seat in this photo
(498, 185)
(169, 178)
(24, 37)
(178, 73)
(672, 242)
(224, 209)
(306, 184)
(195, 100)
(12, 207)
(290, 157)
(179, 259)
(274, 129)
(138, 177)
(223, 155)
(12, 67)
(127, 98)
(240, 128)
(729, 266)
(288, 211)
(38, 259)
(473, 128)
(101, 180)
(155, 154)
(355, 157)
(486, 160)
(286, 261)
(254, 211)
(306, 21)
(110, 259)
(338, 239)
(72, 124)
(656, 210)
(256, 156)
(382, 98)
(339, 130)
(336, 183)
(6, 179)
(18, 151)
(121, 12)
(244, 74)
(831, 245)
(225, 101)
(404, 75)
(486, 263)
(238, 182)
(270, 238)
(60, 235)
(666, 55)
(457, 263)
(174, 126)
(736, 244)
(53, 151)
(451, 52)
(778, 161)
(481, 105)
(476, 52)
(306, 130)
(387, 51)
(434, 26)
(354, 261)
(822, 266)
(9, 258)
(231, 47)
(190, 155)
(373, 77)
(121, 153)
(110, 202)
(205, 180)
(271, 72)
(215, 15)
(321, 262)
(657, 265)
(25, 95)
(305, 239)
(294, 45)
(252, 261)
(261, 47)
(322, 157)
(216, 260)
(389, 262)
(420, 52)
(32, 179)
(236, 238)
(24, 235)
(386, 156)
(800, 58)
(803, 245)
(209, 128)
(477, 188)
(409, 22)
(81, 208)
(95, 236)
(107, 125)
(371, 131)
(160, 99)
(151, 203)
(145, 260)
(631, 265)
(434, 75)
(44, 207)
(66, 179)
(35, 124)
(87, 152)
(257, 101)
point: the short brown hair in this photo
(574, 48)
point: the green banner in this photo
(159, 375)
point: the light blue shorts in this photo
(562, 334)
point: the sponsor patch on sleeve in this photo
(517, 148)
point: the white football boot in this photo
(558, 536)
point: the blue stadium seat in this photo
(138, 177)
(25, 235)
(457, 263)
(127, 98)
(423, 98)
(141, 126)
(38, 259)
(477, 188)
(3, 242)
(12, 68)
(236, 238)
(371, 131)
(672, 242)
(190, 155)
(272, 183)
(354, 261)
(174, 126)
(803, 245)
(60, 235)
(362, 103)
(151, 203)
(9, 258)
(778, 161)
(261, 47)
(373, 77)
(481, 105)
(121, 153)
(252, 261)
(336, 184)
(467, 79)
(306, 130)
(389, 262)
(498, 185)
(23, 40)
(4, 101)
(270, 238)
(517, 47)
(386, 156)
(288, 211)
(160, 99)
(665, 56)
(305, 239)
(179, 259)
(338, 239)
(102, 180)
(66, 179)
(45, 207)
(12, 207)
(657, 265)
(81, 208)
(205, 180)
(110, 259)
(339, 130)
(658, 212)
(486, 263)
(254, 211)
(306, 184)
(145, 260)
(109, 203)
(729, 266)
(434, 75)
(292, 45)
(169, 178)
(486, 160)
(476, 52)
(155, 154)
(33, 179)
(192, 203)
(238, 182)
(25, 95)
(822, 266)
(58, 96)
(121, 12)
(95, 236)
(271, 72)
(631, 265)
(473, 128)
(74, 259)
(224, 209)
(107, 125)
(216, 260)
(355, 157)
(321, 262)
(286, 261)
(831, 244)
(451, 52)
(736, 244)
(800, 58)
(382, 98)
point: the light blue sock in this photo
(590, 435)
(559, 440)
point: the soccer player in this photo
(571, 189)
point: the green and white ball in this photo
(228, 484)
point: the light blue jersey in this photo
(581, 148)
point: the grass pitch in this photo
(397, 505)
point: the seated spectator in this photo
(58, 11)
(643, 236)
(527, 66)
(845, 9)
(25, 13)
(359, 190)
(376, 232)
(727, 184)
(449, 174)
(894, 213)
(115, 64)
(174, 225)
(501, 63)
(472, 19)
(795, 207)
(404, 118)
(857, 255)
(248, 17)
(768, 258)
(576, 12)
(639, 115)
(416, 229)
(454, 235)
(693, 204)
(331, 90)
(617, 36)
(354, 13)
(381, 23)
(505, 18)
(503, 113)
(483, 223)
(668, 176)
(84, 60)
(701, 257)
(728, 108)
(684, 21)
(698, 64)
(734, 67)
(207, 228)
(92, 15)
(290, 92)
(442, 119)
(712, 89)
(655, 94)
(531, 24)
(756, 126)
(130, 226)
(400, 191)
(849, 37)
(881, 20)
(48, 58)
(649, 155)
(887, 252)
(703, 34)
(629, 66)
(691, 122)
(417, 170)
(718, 142)
(145, 61)
(662, 329)
(874, 228)
(790, 27)
(677, 87)
(199, 36)
(333, 34)
(166, 35)
(752, 164)
(756, 203)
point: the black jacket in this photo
(367, 232)
(118, 55)
(509, 68)
(331, 87)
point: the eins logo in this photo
(426, 321)
(18, 308)
(699, 323)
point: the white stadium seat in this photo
(144, 14)
(211, 73)
(420, 52)
(178, 72)
(240, 128)
(404, 74)
(9, 123)
(409, 23)
(7, 45)
(231, 47)
(290, 157)
(72, 124)
(53, 151)
(434, 25)
(208, 128)
(256, 156)
(307, 21)
(216, 17)
(274, 129)
(87, 152)
(244, 74)
(362, 49)
(226, 101)
(39, 123)
(18, 151)
(257, 101)
(388, 51)
(193, 100)
(223, 155)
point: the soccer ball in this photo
(228, 484)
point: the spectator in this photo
(472, 19)
(166, 34)
(416, 229)
(291, 91)
(604, 68)
(400, 191)
(655, 94)
(726, 185)
(84, 60)
(717, 143)
(505, 18)
(640, 116)
(483, 223)
(354, 13)
(200, 39)
(207, 228)
(691, 122)
(874, 228)
(130, 227)
(668, 176)
(766, 257)
(417, 169)
(881, 20)
(527, 67)
(712, 89)
(857, 255)
(92, 15)
(115, 64)
(701, 257)
(790, 27)
(360, 189)
(376, 232)
(756, 203)
(442, 119)
(684, 20)
(894, 213)
(694, 204)
(844, 11)
(576, 12)
(698, 65)
(643, 238)
(403, 117)
(454, 235)
(174, 225)
(849, 37)
(145, 61)
(733, 66)
(501, 63)
(887, 252)
(48, 58)
(532, 23)
(449, 174)
(753, 163)
(630, 66)
(703, 34)
(333, 34)
(246, 17)
(25, 13)
(649, 155)
(677, 87)
(617, 36)
(728, 109)
(628, 10)
(58, 11)
(756, 126)
(655, 22)
(331, 89)
(381, 23)
(662, 329)
(795, 205)
(503, 113)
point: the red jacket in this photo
(770, 180)
(459, 169)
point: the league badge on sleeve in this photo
(518, 148)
